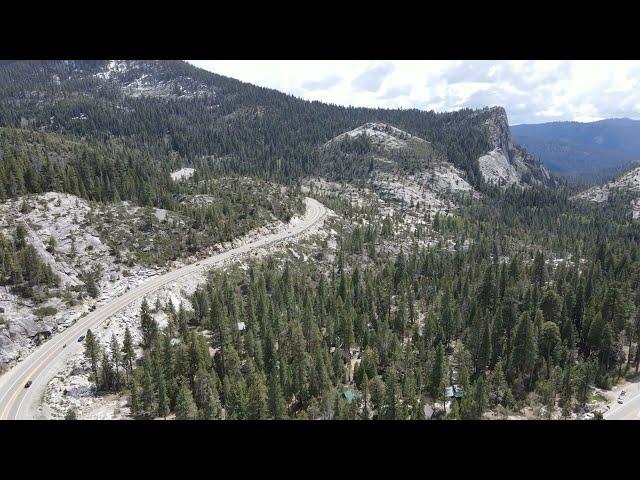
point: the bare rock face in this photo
(499, 131)
(137, 78)
(504, 165)
(78, 248)
(21, 327)
(404, 169)
(508, 164)
(381, 135)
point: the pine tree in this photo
(499, 392)
(133, 398)
(277, 405)
(524, 349)
(365, 395)
(257, 408)
(107, 379)
(566, 391)
(586, 374)
(148, 324)
(128, 352)
(378, 391)
(148, 395)
(211, 410)
(92, 354)
(116, 359)
(438, 379)
(185, 406)
(390, 409)
(538, 273)
(547, 393)
(163, 399)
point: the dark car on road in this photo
(81, 338)
(28, 384)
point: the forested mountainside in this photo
(584, 152)
(169, 108)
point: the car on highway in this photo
(620, 400)
(81, 338)
(28, 384)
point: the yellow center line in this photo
(17, 391)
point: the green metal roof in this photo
(348, 394)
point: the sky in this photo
(531, 91)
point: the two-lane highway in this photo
(18, 402)
(629, 409)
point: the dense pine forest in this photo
(509, 321)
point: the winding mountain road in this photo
(18, 402)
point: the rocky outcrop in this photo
(508, 164)
(78, 248)
(404, 168)
(627, 185)
(381, 136)
(136, 78)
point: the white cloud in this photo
(322, 84)
(531, 91)
(370, 80)
(397, 91)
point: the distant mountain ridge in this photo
(171, 109)
(586, 152)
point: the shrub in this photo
(45, 311)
